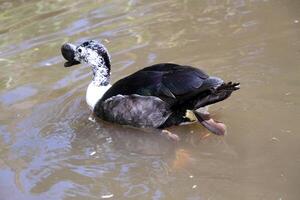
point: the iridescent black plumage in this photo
(179, 87)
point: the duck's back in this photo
(169, 82)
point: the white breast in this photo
(94, 93)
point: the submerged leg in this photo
(215, 127)
(170, 135)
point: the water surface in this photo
(51, 150)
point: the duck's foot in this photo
(213, 126)
(170, 135)
(182, 159)
(92, 118)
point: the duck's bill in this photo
(68, 52)
(70, 64)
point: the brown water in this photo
(50, 150)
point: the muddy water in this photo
(50, 150)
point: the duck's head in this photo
(91, 52)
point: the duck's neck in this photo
(101, 76)
(98, 86)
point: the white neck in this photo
(101, 75)
(94, 93)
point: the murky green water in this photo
(50, 150)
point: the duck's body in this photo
(156, 96)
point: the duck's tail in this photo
(217, 94)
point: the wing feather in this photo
(170, 82)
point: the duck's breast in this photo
(94, 93)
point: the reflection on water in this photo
(50, 150)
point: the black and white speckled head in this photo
(93, 53)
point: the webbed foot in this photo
(212, 125)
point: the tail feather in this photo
(218, 94)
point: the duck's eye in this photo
(79, 50)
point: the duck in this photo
(158, 96)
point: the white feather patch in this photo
(94, 93)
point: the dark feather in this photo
(171, 82)
(135, 110)
(159, 95)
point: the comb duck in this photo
(157, 96)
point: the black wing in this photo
(171, 82)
